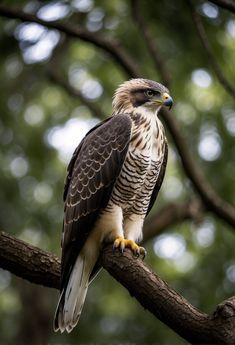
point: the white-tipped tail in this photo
(71, 300)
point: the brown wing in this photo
(160, 178)
(92, 172)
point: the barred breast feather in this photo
(143, 166)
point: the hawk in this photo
(113, 180)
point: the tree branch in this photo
(227, 4)
(150, 42)
(167, 305)
(211, 199)
(108, 44)
(29, 262)
(52, 68)
(209, 196)
(213, 62)
(151, 291)
(93, 107)
(43, 268)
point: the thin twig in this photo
(151, 43)
(93, 107)
(205, 42)
(108, 44)
(227, 4)
(54, 73)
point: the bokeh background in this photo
(54, 88)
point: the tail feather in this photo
(72, 298)
(58, 322)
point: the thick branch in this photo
(108, 44)
(227, 4)
(150, 42)
(23, 260)
(153, 293)
(213, 62)
(167, 305)
(29, 262)
(211, 199)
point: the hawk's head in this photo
(144, 93)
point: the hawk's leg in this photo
(123, 243)
(133, 225)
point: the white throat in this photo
(147, 111)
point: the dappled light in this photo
(54, 11)
(41, 50)
(19, 166)
(82, 5)
(36, 42)
(201, 78)
(61, 62)
(95, 20)
(209, 146)
(170, 246)
(77, 75)
(30, 32)
(66, 138)
(231, 27)
(5, 279)
(172, 188)
(210, 10)
(205, 234)
(92, 89)
(229, 119)
(230, 273)
(15, 102)
(13, 66)
(185, 262)
(42, 193)
(31, 235)
(34, 115)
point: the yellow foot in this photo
(122, 243)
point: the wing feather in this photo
(92, 172)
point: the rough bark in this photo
(227, 85)
(29, 262)
(151, 291)
(167, 305)
(154, 294)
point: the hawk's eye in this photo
(149, 93)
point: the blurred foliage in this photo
(196, 259)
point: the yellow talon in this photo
(122, 243)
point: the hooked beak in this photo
(167, 100)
